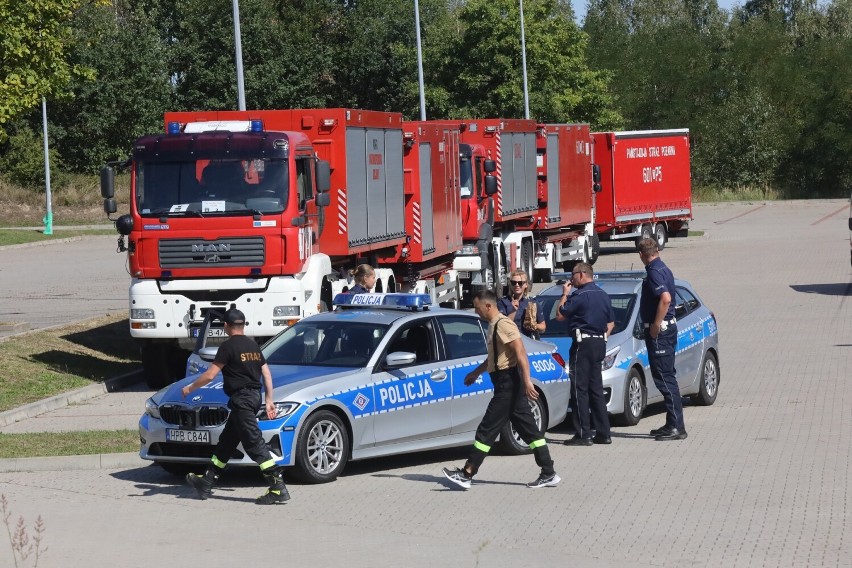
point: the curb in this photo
(69, 463)
(64, 399)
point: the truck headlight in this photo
(285, 311)
(609, 359)
(282, 409)
(152, 409)
(142, 314)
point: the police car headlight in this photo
(152, 409)
(282, 409)
(609, 359)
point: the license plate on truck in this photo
(188, 436)
(212, 332)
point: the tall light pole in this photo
(48, 217)
(524, 62)
(419, 61)
(238, 41)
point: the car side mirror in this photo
(399, 359)
(208, 353)
(638, 330)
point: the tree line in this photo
(765, 88)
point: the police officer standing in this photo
(242, 365)
(656, 308)
(590, 319)
(509, 367)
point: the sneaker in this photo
(544, 480)
(458, 476)
(273, 497)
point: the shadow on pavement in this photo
(839, 289)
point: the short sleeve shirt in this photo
(241, 362)
(504, 305)
(507, 332)
(588, 309)
(659, 279)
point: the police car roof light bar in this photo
(609, 275)
(412, 302)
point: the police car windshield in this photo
(622, 305)
(326, 344)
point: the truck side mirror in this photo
(107, 183)
(490, 185)
(323, 176)
(124, 224)
(596, 178)
(490, 166)
(110, 206)
(323, 200)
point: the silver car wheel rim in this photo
(634, 396)
(710, 378)
(536, 412)
(325, 447)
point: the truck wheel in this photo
(645, 232)
(660, 236)
(594, 248)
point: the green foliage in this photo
(22, 162)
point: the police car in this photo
(627, 381)
(383, 374)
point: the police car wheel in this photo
(322, 449)
(708, 386)
(510, 442)
(635, 399)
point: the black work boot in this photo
(277, 492)
(203, 484)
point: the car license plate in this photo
(212, 332)
(188, 436)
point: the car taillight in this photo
(559, 359)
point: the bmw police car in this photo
(381, 375)
(627, 381)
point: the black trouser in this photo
(588, 404)
(661, 357)
(509, 403)
(242, 427)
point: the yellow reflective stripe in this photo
(217, 463)
(481, 447)
(538, 444)
(267, 464)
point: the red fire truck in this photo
(267, 211)
(526, 200)
(646, 184)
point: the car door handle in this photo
(438, 376)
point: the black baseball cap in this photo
(235, 317)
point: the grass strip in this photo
(22, 236)
(49, 444)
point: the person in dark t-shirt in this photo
(243, 366)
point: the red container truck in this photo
(267, 211)
(646, 184)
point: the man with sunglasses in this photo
(590, 319)
(519, 308)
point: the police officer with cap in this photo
(656, 308)
(590, 319)
(243, 369)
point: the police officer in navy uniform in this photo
(656, 308)
(590, 319)
(365, 279)
(242, 365)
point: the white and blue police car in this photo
(627, 381)
(383, 374)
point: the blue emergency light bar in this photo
(413, 302)
(256, 125)
(174, 128)
(609, 275)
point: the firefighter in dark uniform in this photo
(365, 279)
(242, 366)
(657, 310)
(590, 319)
(509, 368)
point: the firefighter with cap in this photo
(590, 320)
(243, 369)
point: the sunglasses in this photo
(518, 282)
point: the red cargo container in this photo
(646, 184)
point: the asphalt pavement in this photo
(764, 478)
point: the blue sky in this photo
(580, 6)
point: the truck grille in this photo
(198, 253)
(188, 417)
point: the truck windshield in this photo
(466, 176)
(211, 187)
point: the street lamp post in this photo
(419, 61)
(48, 217)
(524, 63)
(241, 94)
